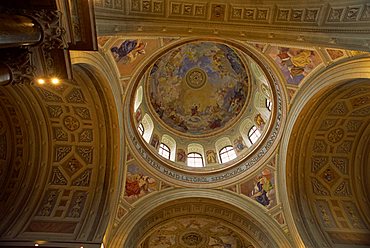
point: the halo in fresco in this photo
(199, 87)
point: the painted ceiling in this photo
(195, 231)
(199, 87)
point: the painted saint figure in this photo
(128, 51)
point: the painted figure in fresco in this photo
(211, 157)
(261, 190)
(181, 156)
(155, 141)
(194, 110)
(294, 64)
(138, 184)
(259, 121)
(239, 144)
(185, 108)
(128, 51)
(138, 115)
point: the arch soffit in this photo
(26, 124)
(335, 75)
(107, 83)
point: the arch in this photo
(222, 142)
(141, 129)
(265, 231)
(171, 143)
(340, 74)
(105, 79)
(148, 127)
(66, 126)
(24, 167)
(197, 148)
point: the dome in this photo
(198, 88)
(204, 106)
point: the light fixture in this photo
(55, 81)
(40, 81)
(36, 244)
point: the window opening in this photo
(227, 153)
(253, 134)
(268, 104)
(164, 151)
(140, 128)
(195, 160)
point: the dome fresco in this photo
(207, 99)
(199, 87)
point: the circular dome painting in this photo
(199, 87)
